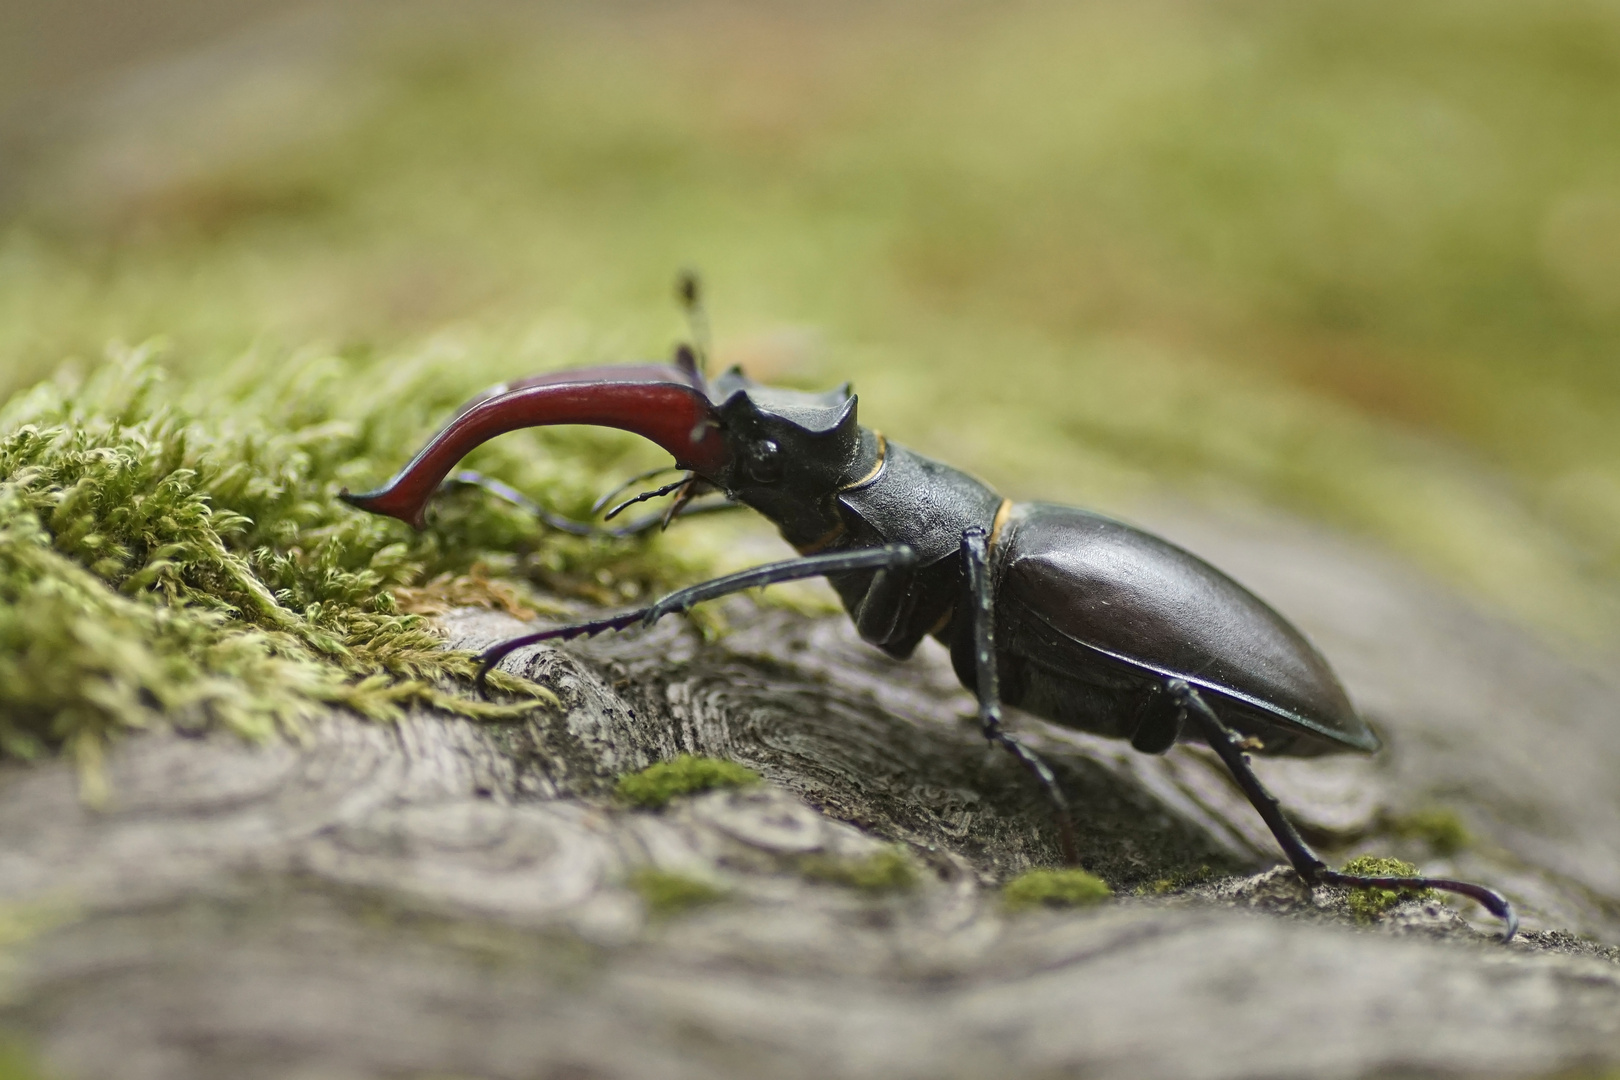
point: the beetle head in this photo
(783, 444)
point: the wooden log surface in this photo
(443, 898)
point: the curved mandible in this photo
(657, 402)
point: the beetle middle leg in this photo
(987, 683)
(1228, 745)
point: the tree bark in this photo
(442, 898)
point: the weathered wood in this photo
(444, 898)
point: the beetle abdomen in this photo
(1109, 596)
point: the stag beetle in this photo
(1082, 620)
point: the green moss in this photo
(1441, 829)
(665, 893)
(657, 784)
(1369, 903)
(1175, 882)
(1054, 888)
(181, 558)
(890, 870)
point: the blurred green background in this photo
(1360, 260)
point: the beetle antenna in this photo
(618, 489)
(645, 495)
(689, 290)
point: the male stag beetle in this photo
(1084, 621)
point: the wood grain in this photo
(441, 898)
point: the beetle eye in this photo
(765, 463)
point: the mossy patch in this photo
(889, 870)
(667, 893)
(179, 557)
(1441, 829)
(1054, 888)
(1367, 904)
(657, 784)
(475, 589)
(1175, 882)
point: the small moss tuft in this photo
(1441, 829)
(655, 785)
(1055, 888)
(1367, 904)
(665, 893)
(1175, 882)
(890, 870)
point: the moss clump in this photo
(1175, 882)
(1367, 904)
(1054, 888)
(665, 893)
(181, 558)
(1442, 830)
(655, 785)
(890, 870)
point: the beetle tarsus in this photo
(496, 653)
(1489, 899)
(1228, 744)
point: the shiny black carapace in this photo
(1082, 620)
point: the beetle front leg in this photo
(981, 596)
(888, 557)
(1228, 745)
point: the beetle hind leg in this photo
(1228, 745)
